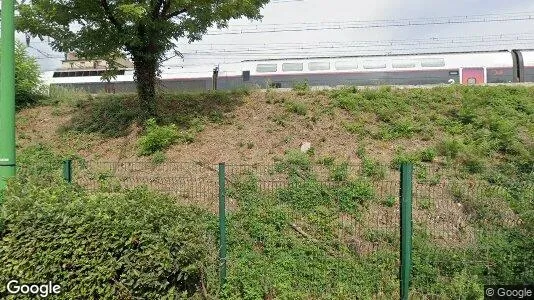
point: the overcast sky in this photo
(367, 39)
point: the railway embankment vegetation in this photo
(28, 88)
(295, 241)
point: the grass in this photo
(113, 115)
(478, 127)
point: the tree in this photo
(144, 29)
(27, 81)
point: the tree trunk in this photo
(145, 77)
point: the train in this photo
(477, 67)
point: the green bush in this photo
(353, 195)
(298, 108)
(427, 155)
(301, 86)
(294, 163)
(157, 138)
(121, 246)
(450, 148)
(372, 169)
(28, 86)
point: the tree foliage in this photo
(27, 82)
(146, 30)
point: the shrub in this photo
(302, 86)
(158, 138)
(28, 86)
(450, 148)
(373, 169)
(427, 155)
(295, 163)
(354, 194)
(133, 245)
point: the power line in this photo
(369, 42)
(374, 24)
(405, 50)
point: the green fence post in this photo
(222, 225)
(67, 170)
(405, 229)
(7, 93)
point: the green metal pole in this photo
(222, 224)
(405, 229)
(67, 170)
(7, 94)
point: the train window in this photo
(404, 64)
(57, 74)
(319, 65)
(453, 73)
(292, 67)
(346, 65)
(433, 62)
(374, 65)
(264, 68)
(93, 73)
(246, 75)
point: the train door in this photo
(473, 75)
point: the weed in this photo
(302, 86)
(427, 155)
(450, 148)
(403, 157)
(158, 157)
(355, 127)
(298, 108)
(425, 203)
(373, 169)
(339, 172)
(390, 201)
(327, 161)
(280, 119)
(158, 138)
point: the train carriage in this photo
(414, 69)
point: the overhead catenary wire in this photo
(289, 27)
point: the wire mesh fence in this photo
(321, 228)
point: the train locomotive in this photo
(479, 67)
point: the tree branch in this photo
(157, 8)
(176, 13)
(166, 6)
(109, 14)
